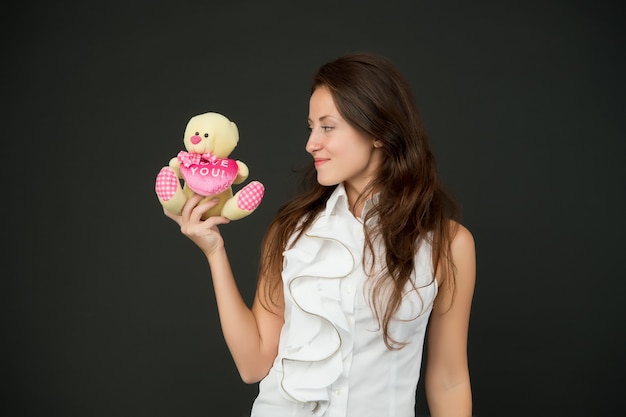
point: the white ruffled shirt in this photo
(332, 360)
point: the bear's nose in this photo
(195, 139)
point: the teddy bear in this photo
(204, 168)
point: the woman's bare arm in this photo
(448, 388)
(251, 334)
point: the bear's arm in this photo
(175, 165)
(242, 172)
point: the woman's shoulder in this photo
(460, 236)
(462, 246)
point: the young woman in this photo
(355, 269)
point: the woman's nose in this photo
(312, 144)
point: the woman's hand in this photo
(204, 233)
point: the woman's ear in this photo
(377, 143)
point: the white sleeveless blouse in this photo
(332, 360)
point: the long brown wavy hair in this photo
(413, 206)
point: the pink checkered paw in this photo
(166, 183)
(250, 196)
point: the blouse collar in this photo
(338, 200)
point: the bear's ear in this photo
(235, 131)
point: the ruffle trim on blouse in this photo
(319, 335)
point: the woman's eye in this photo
(326, 128)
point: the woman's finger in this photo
(190, 204)
(194, 207)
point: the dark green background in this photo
(109, 310)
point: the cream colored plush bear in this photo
(206, 169)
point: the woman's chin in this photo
(326, 182)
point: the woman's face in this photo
(341, 153)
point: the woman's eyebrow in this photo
(321, 118)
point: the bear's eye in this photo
(197, 133)
(206, 135)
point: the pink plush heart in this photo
(210, 177)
